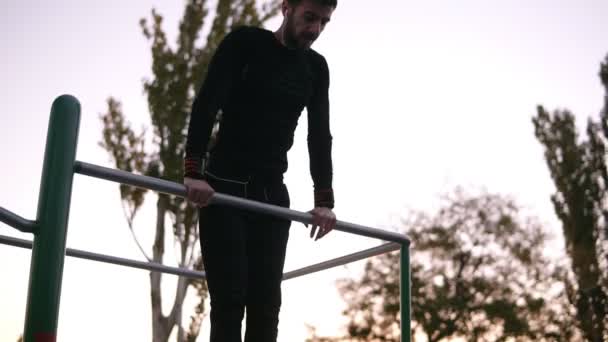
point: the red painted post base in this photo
(45, 337)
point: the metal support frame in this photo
(48, 252)
(50, 227)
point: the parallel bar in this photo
(176, 189)
(405, 290)
(388, 247)
(15, 242)
(150, 266)
(16, 221)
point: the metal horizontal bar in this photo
(16, 221)
(156, 267)
(385, 248)
(176, 189)
(150, 266)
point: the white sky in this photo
(424, 96)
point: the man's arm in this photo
(210, 98)
(319, 149)
(320, 139)
(212, 95)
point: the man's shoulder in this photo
(244, 37)
(248, 31)
(317, 59)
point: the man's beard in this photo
(291, 38)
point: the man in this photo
(261, 81)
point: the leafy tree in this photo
(178, 73)
(478, 272)
(578, 169)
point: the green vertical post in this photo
(406, 318)
(48, 251)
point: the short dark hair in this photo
(332, 3)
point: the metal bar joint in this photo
(17, 222)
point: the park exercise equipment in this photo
(50, 227)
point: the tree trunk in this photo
(160, 324)
(591, 298)
(176, 313)
(163, 325)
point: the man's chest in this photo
(287, 80)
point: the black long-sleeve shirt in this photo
(261, 86)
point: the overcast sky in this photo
(424, 96)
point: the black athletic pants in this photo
(243, 254)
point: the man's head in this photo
(304, 20)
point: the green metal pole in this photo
(406, 318)
(48, 252)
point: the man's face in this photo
(305, 22)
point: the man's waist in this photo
(241, 172)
